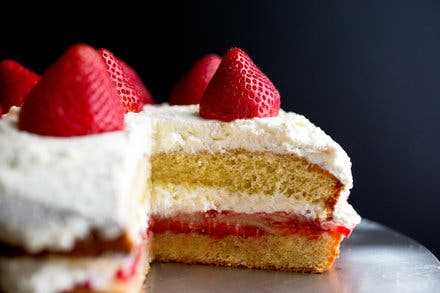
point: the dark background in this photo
(367, 72)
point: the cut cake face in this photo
(247, 183)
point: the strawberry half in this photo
(137, 83)
(239, 90)
(131, 100)
(189, 90)
(15, 83)
(74, 97)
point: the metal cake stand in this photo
(374, 259)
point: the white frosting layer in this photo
(55, 190)
(172, 199)
(57, 274)
(180, 128)
(344, 214)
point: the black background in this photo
(367, 72)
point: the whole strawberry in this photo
(74, 97)
(137, 83)
(239, 90)
(130, 98)
(15, 83)
(189, 90)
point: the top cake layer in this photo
(181, 129)
(45, 205)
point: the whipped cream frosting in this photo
(168, 200)
(44, 205)
(180, 128)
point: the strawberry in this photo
(189, 90)
(239, 90)
(15, 83)
(136, 81)
(131, 100)
(74, 97)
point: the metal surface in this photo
(373, 259)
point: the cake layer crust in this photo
(294, 253)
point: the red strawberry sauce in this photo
(220, 224)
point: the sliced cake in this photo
(239, 182)
(266, 192)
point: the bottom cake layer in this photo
(295, 252)
(53, 274)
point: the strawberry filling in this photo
(221, 224)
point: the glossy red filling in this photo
(220, 224)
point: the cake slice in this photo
(264, 193)
(239, 182)
(74, 185)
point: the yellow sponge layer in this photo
(285, 253)
(251, 172)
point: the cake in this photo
(87, 203)
(74, 201)
(77, 229)
(239, 182)
(264, 193)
